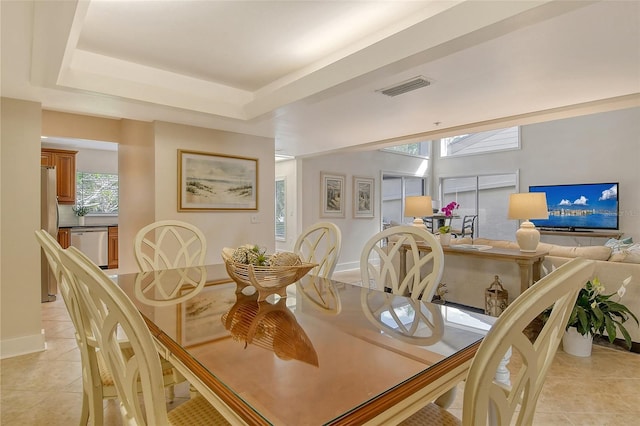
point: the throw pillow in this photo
(629, 254)
(617, 248)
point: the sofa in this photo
(467, 278)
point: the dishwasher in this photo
(93, 242)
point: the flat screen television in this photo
(584, 206)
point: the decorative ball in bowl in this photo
(269, 274)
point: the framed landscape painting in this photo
(363, 190)
(332, 190)
(209, 181)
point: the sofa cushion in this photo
(588, 252)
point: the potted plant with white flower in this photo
(594, 313)
(81, 211)
(445, 235)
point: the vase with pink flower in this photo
(444, 230)
(449, 208)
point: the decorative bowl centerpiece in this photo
(270, 274)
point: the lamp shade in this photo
(525, 206)
(528, 205)
(418, 206)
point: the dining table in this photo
(328, 353)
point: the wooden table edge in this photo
(365, 413)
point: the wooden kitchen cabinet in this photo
(65, 163)
(64, 237)
(113, 247)
(46, 158)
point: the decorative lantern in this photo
(496, 298)
(441, 291)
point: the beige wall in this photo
(222, 228)
(601, 147)
(355, 232)
(20, 313)
(147, 163)
(136, 174)
(78, 126)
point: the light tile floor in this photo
(46, 388)
(603, 389)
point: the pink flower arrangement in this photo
(449, 208)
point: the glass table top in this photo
(308, 358)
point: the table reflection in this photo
(169, 286)
(271, 326)
(321, 292)
(412, 321)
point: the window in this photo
(481, 143)
(418, 149)
(394, 190)
(98, 192)
(281, 209)
(486, 196)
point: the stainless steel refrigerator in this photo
(49, 222)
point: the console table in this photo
(530, 264)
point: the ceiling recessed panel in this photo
(306, 72)
(243, 44)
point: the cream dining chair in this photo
(485, 400)
(169, 244)
(110, 314)
(97, 382)
(320, 243)
(93, 387)
(380, 265)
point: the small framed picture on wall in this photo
(363, 197)
(332, 192)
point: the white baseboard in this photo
(349, 266)
(10, 348)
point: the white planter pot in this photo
(81, 220)
(576, 344)
(445, 239)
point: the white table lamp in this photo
(525, 206)
(418, 207)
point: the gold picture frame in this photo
(210, 182)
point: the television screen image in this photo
(580, 206)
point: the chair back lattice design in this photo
(379, 269)
(169, 244)
(320, 243)
(111, 315)
(468, 226)
(484, 398)
(91, 381)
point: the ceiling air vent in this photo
(405, 86)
